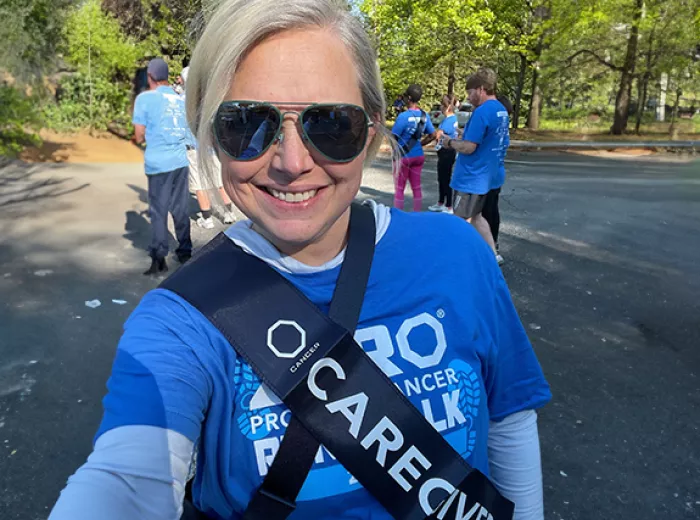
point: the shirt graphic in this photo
(488, 128)
(162, 112)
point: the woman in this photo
(409, 130)
(446, 158)
(448, 334)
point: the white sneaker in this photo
(437, 207)
(449, 211)
(229, 218)
(206, 223)
(499, 259)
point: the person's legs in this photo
(181, 217)
(196, 184)
(443, 175)
(203, 202)
(480, 224)
(495, 224)
(452, 155)
(469, 206)
(488, 210)
(414, 174)
(400, 182)
(159, 191)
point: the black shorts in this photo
(467, 205)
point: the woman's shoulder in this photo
(434, 234)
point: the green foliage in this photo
(106, 61)
(96, 45)
(30, 33)
(77, 108)
(18, 118)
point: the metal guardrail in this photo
(594, 145)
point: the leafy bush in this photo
(110, 103)
(18, 119)
(106, 60)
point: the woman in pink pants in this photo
(412, 130)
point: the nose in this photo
(292, 158)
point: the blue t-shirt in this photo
(488, 128)
(162, 112)
(448, 336)
(405, 127)
(500, 178)
(449, 126)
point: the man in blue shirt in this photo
(408, 130)
(159, 120)
(480, 151)
(490, 211)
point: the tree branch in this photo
(600, 60)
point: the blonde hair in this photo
(238, 25)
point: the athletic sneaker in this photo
(499, 259)
(437, 207)
(229, 218)
(449, 211)
(206, 223)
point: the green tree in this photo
(31, 32)
(432, 42)
(96, 45)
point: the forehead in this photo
(304, 65)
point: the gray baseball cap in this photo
(158, 69)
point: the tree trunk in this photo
(451, 77)
(672, 130)
(644, 87)
(519, 91)
(643, 103)
(533, 116)
(622, 101)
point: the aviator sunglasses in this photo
(246, 129)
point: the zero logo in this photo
(297, 332)
(384, 347)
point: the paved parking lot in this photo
(602, 257)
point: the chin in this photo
(294, 233)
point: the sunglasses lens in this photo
(337, 131)
(244, 131)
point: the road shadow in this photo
(19, 184)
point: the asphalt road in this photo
(603, 259)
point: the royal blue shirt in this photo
(449, 126)
(488, 128)
(500, 178)
(442, 327)
(405, 127)
(162, 112)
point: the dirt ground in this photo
(82, 147)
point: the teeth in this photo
(293, 197)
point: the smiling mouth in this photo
(287, 196)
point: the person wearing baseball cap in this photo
(159, 121)
(409, 129)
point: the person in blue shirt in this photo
(412, 131)
(437, 317)
(159, 121)
(490, 211)
(446, 158)
(480, 152)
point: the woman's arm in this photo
(515, 464)
(158, 395)
(134, 472)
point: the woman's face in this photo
(300, 66)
